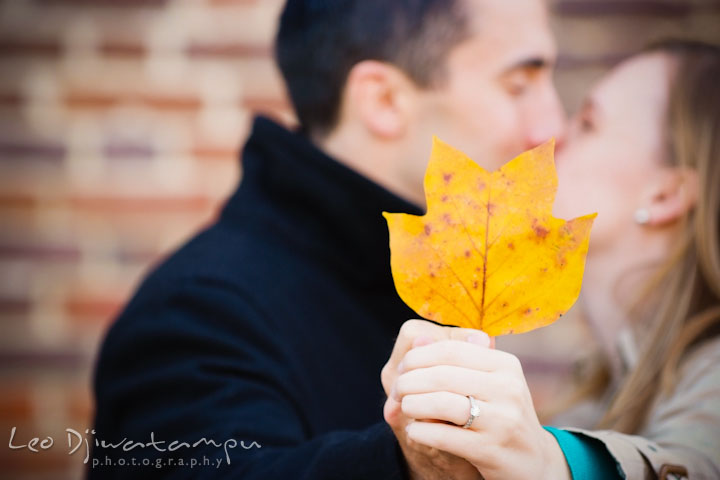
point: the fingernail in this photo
(401, 367)
(479, 338)
(393, 393)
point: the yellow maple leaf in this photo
(488, 254)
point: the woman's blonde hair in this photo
(684, 298)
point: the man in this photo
(272, 325)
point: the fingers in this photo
(409, 331)
(445, 406)
(421, 341)
(415, 333)
(443, 378)
(460, 354)
(501, 418)
(463, 443)
(431, 332)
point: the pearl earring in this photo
(642, 216)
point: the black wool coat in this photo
(269, 329)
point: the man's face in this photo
(498, 98)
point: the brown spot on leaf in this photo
(444, 198)
(447, 219)
(467, 253)
(475, 284)
(428, 229)
(511, 246)
(561, 260)
(447, 177)
(540, 231)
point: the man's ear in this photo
(378, 95)
(673, 196)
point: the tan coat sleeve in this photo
(682, 437)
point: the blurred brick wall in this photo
(120, 121)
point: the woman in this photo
(644, 153)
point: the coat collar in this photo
(315, 203)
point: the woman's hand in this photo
(423, 463)
(506, 440)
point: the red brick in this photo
(22, 48)
(215, 154)
(16, 402)
(228, 50)
(86, 308)
(113, 205)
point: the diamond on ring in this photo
(474, 411)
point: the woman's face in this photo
(614, 150)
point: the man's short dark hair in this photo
(319, 41)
